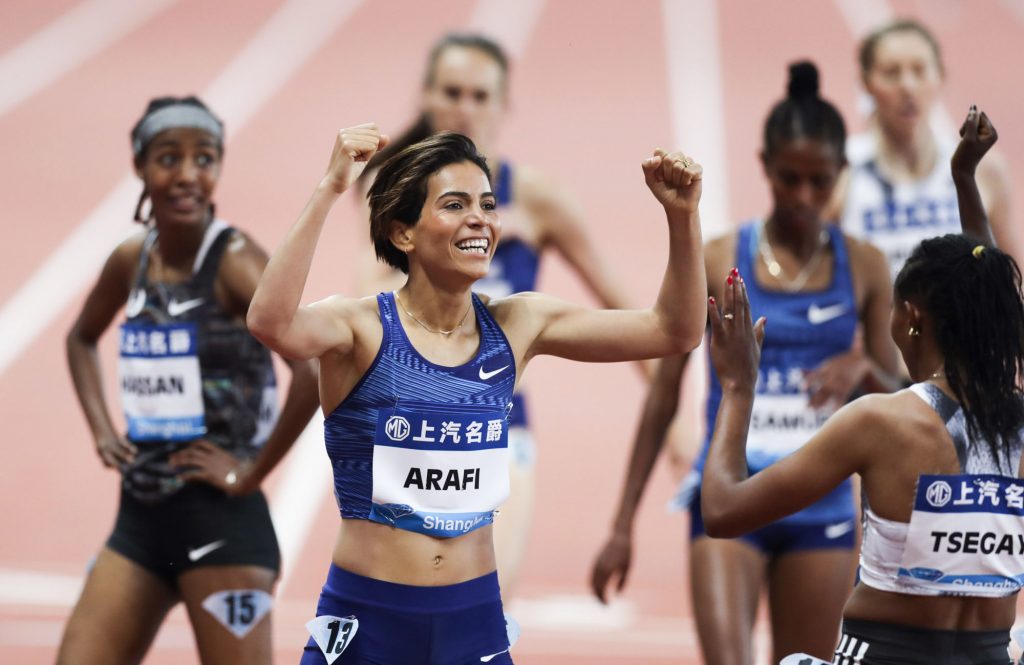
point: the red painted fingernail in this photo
(711, 300)
(728, 280)
(735, 271)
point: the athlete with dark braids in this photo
(940, 462)
(199, 399)
(817, 285)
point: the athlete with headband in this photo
(199, 398)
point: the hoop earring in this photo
(914, 332)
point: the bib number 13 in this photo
(333, 634)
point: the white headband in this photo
(174, 117)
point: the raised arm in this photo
(275, 315)
(732, 502)
(977, 136)
(675, 324)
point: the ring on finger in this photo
(687, 162)
(728, 317)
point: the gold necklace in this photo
(775, 269)
(428, 328)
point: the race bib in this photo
(780, 425)
(966, 536)
(333, 634)
(441, 473)
(239, 610)
(161, 386)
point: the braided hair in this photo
(973, 296)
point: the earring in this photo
(914, 332)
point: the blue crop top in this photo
(420, 446)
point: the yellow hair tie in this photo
(978, 251)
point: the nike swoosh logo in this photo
(175, 308)
(199, 552)
(486, 375)
(817, 315)
(487, 659)
(833, 531)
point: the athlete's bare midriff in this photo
(386, 553)
(931, 612)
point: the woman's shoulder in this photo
(865, 258)
(126, 253)
(890, 418)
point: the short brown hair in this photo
(400, 189)
(866, 54)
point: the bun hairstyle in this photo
(972, 293)
(803, 114)
(421, 128)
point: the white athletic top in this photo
(896, 217)
(885, 541)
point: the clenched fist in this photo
(674, 179)
(353, 148)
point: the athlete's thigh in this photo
(725, 578)
(222, 598)
(119, 612)
(807, 590)
(512, 527)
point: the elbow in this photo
(718, 524)
(687, 340)
(264, 326)
(719, 520)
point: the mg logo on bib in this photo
(397, 428)
(939, 493)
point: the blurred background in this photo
(595, 86)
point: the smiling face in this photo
(802, 174)
(458, 229)
(180, 168)
(904, 80)
(466, 94)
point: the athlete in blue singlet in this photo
(417, 385)
(199, 402)
(816, 286)
(940, 464)
(465, 91)
(897, 190)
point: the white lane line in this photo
(283, 44)
(80, 33)
(510, 23)
(696, 100)
(298, 497)
(697, 109)
(28, 587)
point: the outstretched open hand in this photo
(735, 339)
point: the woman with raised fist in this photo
(416, 385)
